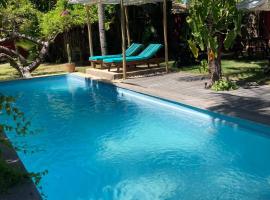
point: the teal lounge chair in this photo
(145, 57)
(133, 49)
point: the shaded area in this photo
(255, 108)
(243, 71)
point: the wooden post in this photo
(127, 25)
(123, 31)
(165, 34)
(89, 27)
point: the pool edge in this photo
(140, 90)
(224, 116)
(26, 190)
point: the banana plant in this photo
(214, 25)
(3, 3)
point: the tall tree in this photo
(101, 25)
(22, 22)
(89, 28)
(66, 16)
(19, 22)
(214, 24)
(17, 60)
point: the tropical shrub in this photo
(214, 24)
(224, 85)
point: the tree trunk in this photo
(16, 60)
(214, 62)
(214, 66)
(102, 36)
(89, 28)
(26, 73)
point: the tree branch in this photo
(21, 63)
(11, 61)
(5, 39)
(13, 54)
(44, 50)
(17, 35)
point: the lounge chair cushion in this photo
(147, 53)
(132, 50)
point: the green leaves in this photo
(193, 48)
(3, 3)
(210, 22)
(213, 44)
(230, 37)
(7, 108)
(20, 14)
(55, 22)
(224, 85)
(12, 119)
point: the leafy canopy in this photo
(20, 15)
(3, 3)
(210, 19)
(44, 18)
(65, 16)
(43, 5)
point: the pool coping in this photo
(214, 113)
(26, 190)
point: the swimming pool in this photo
(100, 142)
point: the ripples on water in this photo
(100, 142)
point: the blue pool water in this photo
(100, 142)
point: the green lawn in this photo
(9, 73)
(239, 70)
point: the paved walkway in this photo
(251, 103)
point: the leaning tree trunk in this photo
(14, 57)
(102, 36)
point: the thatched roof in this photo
(126, 2)
(179, 7)
(254, 5)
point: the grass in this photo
(9, 73)
(243, 71)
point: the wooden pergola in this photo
(124, 3)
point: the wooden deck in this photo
(252, 103)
